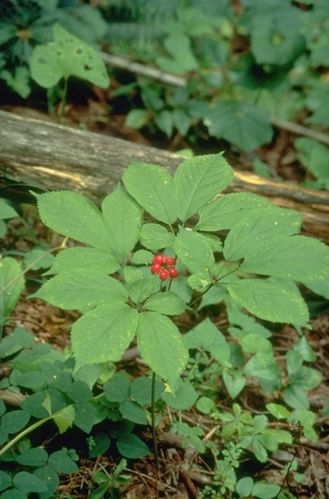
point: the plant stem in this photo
(155, 446)
(63, 102)
(23, 433)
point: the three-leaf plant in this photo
(239, 244)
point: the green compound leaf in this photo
(155, 237)
(227, 211)
(123, 219)
(240, 123)
(85, 222)
(167, 303)
(161, 346)
(256, 230)
(81, 290)
(271, 299)
(298, 258)
(67, 56)
(153, 188)
(84, 259)
(194, 251)
(103, 334)
(198, 180)
(11, 285)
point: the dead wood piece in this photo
(143, 70)
(52, 156)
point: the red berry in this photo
(157, 259)
(170, 261)
(163, 274)
(155, 269)
(173, 272)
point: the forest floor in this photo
(182, 473)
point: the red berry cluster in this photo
(164, 266)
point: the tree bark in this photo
(51, 156)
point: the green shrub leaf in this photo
(103, 334)
(123, 219)
(228, 210)
(81, 290)
(152, 187)
(161, 346)
(257, 228)
(155, 237)
(198, 180)
(132, 447)
(243, 124)
(194, 251)
(90, 260)
(298, 258)
(167, 303)
(85, 222)
(271, 299)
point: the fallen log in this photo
(52, 156)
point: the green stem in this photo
(63, 102)
(23, 433)
(154, 438)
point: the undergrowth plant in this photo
(160, 248)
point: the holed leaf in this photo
(67, 56)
